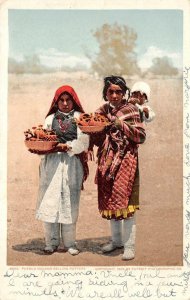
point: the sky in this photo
(62, 37)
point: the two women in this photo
(117, 172)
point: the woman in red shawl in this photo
(62, 172)
(117, 172)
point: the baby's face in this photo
(142, 97)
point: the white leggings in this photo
(123, 232)
(56, 232)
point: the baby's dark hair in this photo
(118, 80)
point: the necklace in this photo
(63, 125)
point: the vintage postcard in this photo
(124, 231)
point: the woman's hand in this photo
(111, 118)
(115, 121)
(62, 147)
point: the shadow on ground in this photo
(86, 245)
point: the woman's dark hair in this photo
(118, 80)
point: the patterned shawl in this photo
(118, 156)
(119, 138)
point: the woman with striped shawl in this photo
(117, 174)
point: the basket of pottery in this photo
(90, 123)
(40, 139)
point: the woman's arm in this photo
(135, 133)
(48, 122)
(81, 143)
(128, 121)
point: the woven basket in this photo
(40, 145)
(91, 129)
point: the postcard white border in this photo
(180, 274)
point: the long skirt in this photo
(119, 198)
(60, 181)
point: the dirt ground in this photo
(159, 239)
